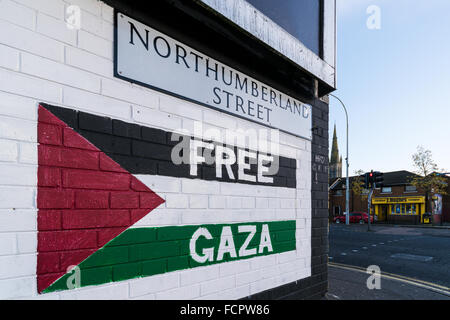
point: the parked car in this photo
(366, 218)
(355, 217)
(339, 219)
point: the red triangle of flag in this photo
(85, 199)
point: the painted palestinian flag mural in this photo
(90, 198)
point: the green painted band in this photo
(142, 252)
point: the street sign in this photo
(150, 58)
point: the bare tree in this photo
(423, 162)
(427, 178)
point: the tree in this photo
(427, 174)
(358, 185)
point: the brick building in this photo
(398, 202)
(118, 179)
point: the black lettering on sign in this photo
(145, 150)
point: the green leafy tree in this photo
(427, 174)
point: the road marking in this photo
(414, 257)
(355, 250)
(331, 296)
(364, 248)
(416, 282)
(374, 245)
(381, 242)
(343, 254)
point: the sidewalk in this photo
(347, 284)
(445, 225)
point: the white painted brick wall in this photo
(41, 60)
(217, 285)
(9, 151)
(9, 58)
(153, 284)
(19, 287)
(56, 29)
(54, 8)
(17, 14)
(8, 244)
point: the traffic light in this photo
(373, 179)
(378, 179)
(367, 180)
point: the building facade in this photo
(398, 202)
(129, 167)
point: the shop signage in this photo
(398, 200)
(150, 58)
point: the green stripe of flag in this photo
(141, 252)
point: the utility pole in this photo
(369, 205)
(372, 181)
(347, 183)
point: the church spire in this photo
(334, 149)
(335, 166)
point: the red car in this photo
(355, 217)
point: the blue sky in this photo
(395, 83)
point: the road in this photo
(418, 253)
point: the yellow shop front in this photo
(408, 210)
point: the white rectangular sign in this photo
(151, 58)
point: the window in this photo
(337, 211)
(410, 189)
(300, 18)
(404, 209)
(386, 190)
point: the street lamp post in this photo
(347, 184)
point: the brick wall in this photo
(43, 61)
(313, 287)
